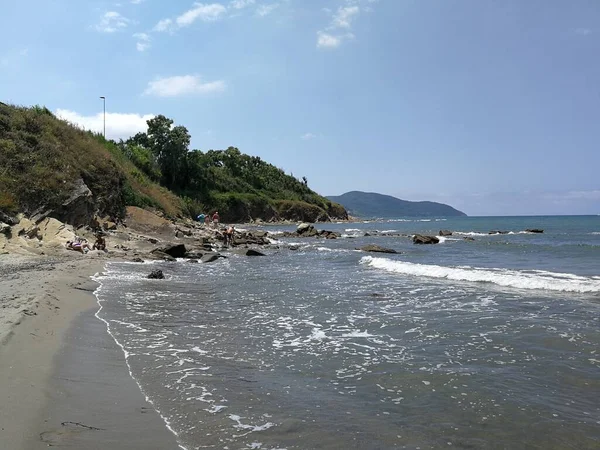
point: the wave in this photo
(595, 232)
(521, 279)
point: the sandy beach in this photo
(63, 380)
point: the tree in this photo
(170, 146)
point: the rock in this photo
(5, 228)
(10, 220)
(534, 230)
(367, 234)
(159, 254)
(175, 250)
(304, 228)
(193, 261)
(156, 275)
(250, 252)
(468, 238)
(420, 239)
(184, 232)
(293, 247)
(445, 233)
(109, 226)
(137, 260)
(376, 249)
(153, 240)
(210, 257)
(259, 234)
(498, 232)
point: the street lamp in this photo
(104, 101)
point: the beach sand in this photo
(63, 380)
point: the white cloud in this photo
(163, 25)
(325, 40)
(339, 29)
(143, 41)
(200, 11)
(240, 4)
(308, 136)
(344, 16)
(112, 21)
(183, 85)
(583, 31)
(137, 2)
(265, 10)
(118, 125)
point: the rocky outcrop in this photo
(534, 230)
(10, 220)
(468, 238)
(445, 233)
(156, 275)
(77, 210)
(210, 257)
(376, 249)
(498, 232)
(420, 239)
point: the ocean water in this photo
(485, 344)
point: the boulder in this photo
(293, 247)
(498, 232)
(468, 238)
(175, 250)
(5, 229)
(159, 254)
(193, 261)
(445, 233)
(420, 239)
(534, 230)
(376, 249)
(156, 275)
(304, 228)
(259, 234)
(153, 240)
(137, 260)
(10, 220)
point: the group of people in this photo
(208, 219)
(81, 244)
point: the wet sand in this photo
(64, 382)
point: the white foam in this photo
(595, 232)
(356, 333)
(470, 233)
(351, 230)
(503, 277)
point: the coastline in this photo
(61, 373)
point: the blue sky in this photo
(490, 106)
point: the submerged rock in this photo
(445, 233)
(210, 257)
(376, 249)
(249, 252)
(468, 238)
(420, 239)
(498, 232)
(156, 275)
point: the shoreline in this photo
(61, 372)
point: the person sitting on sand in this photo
(100, 243)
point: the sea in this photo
(491, 343)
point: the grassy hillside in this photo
(43, 159)
(372, 205)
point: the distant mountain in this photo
(371, 205)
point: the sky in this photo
(490, 106)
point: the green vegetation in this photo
(372, 205)
(41, 159)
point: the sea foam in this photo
(520, 279)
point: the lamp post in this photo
(104, 101)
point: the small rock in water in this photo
(156, 275)
(420, 239)
(534, 230)
(376, 249)
(137, 260)
(445, 233)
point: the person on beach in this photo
(100, 243)
(229, 233)
(215, 219)
(79, 245)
